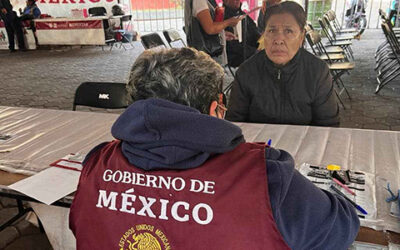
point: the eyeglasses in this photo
(288, 33)
(221, 110)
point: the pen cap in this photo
(333, 167)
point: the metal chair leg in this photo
(340, 99)
(21, 212)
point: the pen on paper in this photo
(345, 197)
(337, 177)
(343, 186)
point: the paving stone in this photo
(7, 236)
(30, 242)
(7, 213)
(26, 228)
(376, 126)
(7, 202)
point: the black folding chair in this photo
(122, 31)
(97, 11)
(389, 69)
(335, 23)
(344, 44)
(152, 40)
(173, 38)
(336, 68)
(107, 95)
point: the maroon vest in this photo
(224, 204)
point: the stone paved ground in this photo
(368, 110)
(48, 79)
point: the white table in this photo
(41, 136)
(71, 31)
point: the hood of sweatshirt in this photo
(158, 134)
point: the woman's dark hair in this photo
(288, 7)
(117, 10)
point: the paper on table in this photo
(49, 185)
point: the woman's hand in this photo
(229, 36)
(233, 21)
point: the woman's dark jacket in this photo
(301, 92)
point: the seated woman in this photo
(31, 11)
(202, 10)
(284, 83)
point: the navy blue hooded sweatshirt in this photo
(158, 134)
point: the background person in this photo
(234, 48)
(394, 6)
(261, 14)
(203, 11)
(284, 83)
(31, 11)
(13, 25)
(172, 130)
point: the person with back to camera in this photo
(204, 12)
(234, 47)
(284, 83)
(178, 175)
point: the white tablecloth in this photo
(70, 31)
(39, 137)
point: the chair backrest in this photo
(97, 11)
(173, 38)
(391, 37)
(126, 18)
(332, 18)
(152, 40)
(329, 26)
(108, 95)
(314, 40)
(324, 28)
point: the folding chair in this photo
(122, 32)
(173, 38)
(107, 95)
(332, 17)
(336, 68)
(152, 40)
(97, 11)
(344, 44)
(382, 14)
(334, 53)
(337, 36)
(390, 69)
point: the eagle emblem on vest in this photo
(144, 241)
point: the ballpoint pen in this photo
(269, 143)
(352, 202)
(344, 186)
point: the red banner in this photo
(69, 25)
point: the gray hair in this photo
(185, 76)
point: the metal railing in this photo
(152, 16)
(158, 15)
(318, 7)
